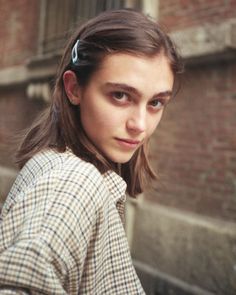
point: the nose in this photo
(137, 121)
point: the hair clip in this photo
(74, 53)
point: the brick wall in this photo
(18, 31)
(180, 14)
(195, 146)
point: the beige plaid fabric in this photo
(61, 230)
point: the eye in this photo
(120, 96)
(157, 104)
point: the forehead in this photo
(137, 71)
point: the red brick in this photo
(184, 13)
(18, 42)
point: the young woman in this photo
(61, 229)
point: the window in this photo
(59, 17)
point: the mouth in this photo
(128, 143)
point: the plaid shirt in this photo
(61, 230)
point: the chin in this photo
(121, 159)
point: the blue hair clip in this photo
(74, 53)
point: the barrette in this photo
(74, 53)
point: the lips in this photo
(129, 143)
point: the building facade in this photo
(183, 231)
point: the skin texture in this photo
(123, 103)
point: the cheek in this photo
(96, 118)
(92, 121)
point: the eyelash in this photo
(115, 95)
(123, 97)
(161, 101)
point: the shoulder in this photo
(77, 176)
(63, 165)
(50, 174)
(68, 169)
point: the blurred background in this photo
(182, 234)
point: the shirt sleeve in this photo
(10, 291)
(44, 236)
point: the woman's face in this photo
(124, 102)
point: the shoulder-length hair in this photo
(59, 127)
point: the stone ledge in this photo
(156, 282)
(39, 68)
(196, 250)
(13, 75)
(207, 40)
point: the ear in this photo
(72, 87)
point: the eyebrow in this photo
(135, 91)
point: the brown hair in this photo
(59, 127)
